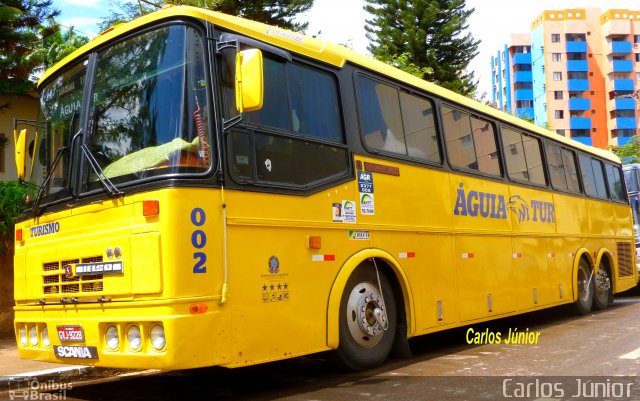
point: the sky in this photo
(343, 21)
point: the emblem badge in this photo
(274, 265)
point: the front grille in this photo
(625, 259)
(54, 280)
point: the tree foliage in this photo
(281, 13)
(55, 47)
(12, 204)
(431, 33)
(23, 23)
(629, 152)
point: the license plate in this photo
(70, 333)
(75, 351)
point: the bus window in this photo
(471, 142)
(592, 177)
(616, 187)
(571, 171)
(274, 111)
(523, 156)
(556, 166)
(419, 127)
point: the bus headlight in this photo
(113, 340)
(134, 338)
(157, 337)
(45, 337)
(23, 335)
(33, 335)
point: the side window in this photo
(397, 122)
(592, 177)
(471, 142)
(614, 178)
(297, 138)
(571, 171)
(523, 156)
(556, 166)
(563, 169)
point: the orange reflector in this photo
(150, 208)
(196, 309)
(315, 241)
(19, 234)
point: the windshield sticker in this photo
(359, 235)
(365, 182)
(348, 211)
(494, 206)
(44, 229)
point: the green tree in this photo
(12, 204)
(629, 152)
(281, 13)
(55, 47)
(23, 23)
(432, 35)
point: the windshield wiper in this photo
(95, 166)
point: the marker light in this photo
(23, 335)
(45, 337)
(33, 335)
(19, 236)
(134, 338)
(315, 242)
(158, 339)
(113, 341)
(150, 208)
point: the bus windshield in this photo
(148, 114)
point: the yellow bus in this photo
(216, 191)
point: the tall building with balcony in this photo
(511, 80)
(585, 74)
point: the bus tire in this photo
(602, 291)
(363, 341)
(585, 288)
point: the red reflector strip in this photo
(323, 258)
(551, 255)
(467, 256)
(517, 255)
(405, 255)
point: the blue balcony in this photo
(623, 84)
(523, 94)
(525, 112)
(578, 85)
(576, 47)
(579, 104)
(578, 65)
(522, 76)
(626, 104)
(623, 140)
(626, 123)
(620, 47)
(622, 66)
(585, 140)
(522, 58)
(580, 123)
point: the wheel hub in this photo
(366, 315)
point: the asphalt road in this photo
(589, 357)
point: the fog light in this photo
(33, 335)
(23, 335)
(45, 337)
(157, 337)
(134, 338)
(113, 341)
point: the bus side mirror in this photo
(20, 152)
(249, 82)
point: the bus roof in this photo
(327, 52)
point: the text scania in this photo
(494, 206)
(45, 229)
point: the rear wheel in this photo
(602, 291)
(585, 288)
(367, 320)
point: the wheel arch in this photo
(605, 255)
(398, 279)
(582, 253)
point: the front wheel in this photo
(585, 288)
(367, 320)
(602, 291)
